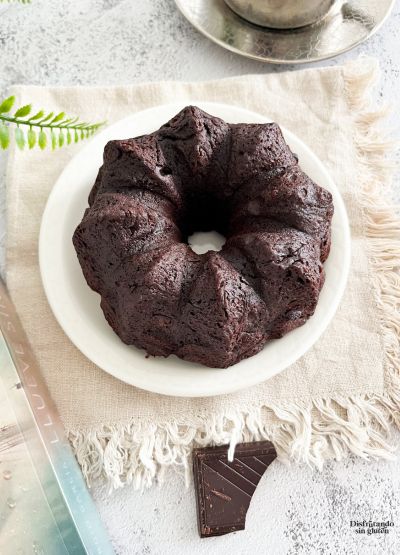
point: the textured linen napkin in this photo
(340, 397)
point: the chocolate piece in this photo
(224, 489)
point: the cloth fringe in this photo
(139, 454)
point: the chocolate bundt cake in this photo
(198, 173)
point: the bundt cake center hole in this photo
(205, 225)
(204, 241)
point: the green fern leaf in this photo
(53, 137)
(4, 136)
(46, 119)
(23, 111)
(38, 115)
(7, 104)
(73, 121)
(61, 138)
(62, 128)
(57, 118)
(42, 139)
(31, 138)
(19, 138)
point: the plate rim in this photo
(205, 391)
(269, 60)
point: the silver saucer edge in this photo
(345, 27)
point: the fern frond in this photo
(13, 1)
(42, 128)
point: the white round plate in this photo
(77, 307)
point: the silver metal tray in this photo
(347, 25)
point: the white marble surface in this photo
(295, 510)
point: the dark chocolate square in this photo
(224, 489)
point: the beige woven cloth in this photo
(340, 397)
